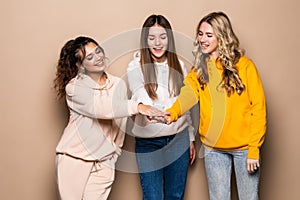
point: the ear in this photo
(78, 65)
(81, 69)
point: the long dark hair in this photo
(147, 62)
(71, 55)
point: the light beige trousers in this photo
(82, 180)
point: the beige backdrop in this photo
(32, 33)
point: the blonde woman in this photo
(229, 90)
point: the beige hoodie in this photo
(97, 123)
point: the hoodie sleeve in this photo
(191, 128)
(89, 102)
(258, 110)
(188, 97)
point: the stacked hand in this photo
(154, 115)
(160, 119)
(150, 111)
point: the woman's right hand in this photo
(168, 118)
(150, 111)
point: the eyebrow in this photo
(159, 35)
(88, 54)
(93, 51)
(205, 32)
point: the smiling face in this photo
(158, 42)
(208, 40)
(94, 60)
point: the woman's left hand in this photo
(192, 153)
(252, 165)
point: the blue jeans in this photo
(163, 164)
(218, 166)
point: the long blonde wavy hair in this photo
(229, 53)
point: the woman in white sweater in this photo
(98, 105)
(155, 76)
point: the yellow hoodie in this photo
(226, 123)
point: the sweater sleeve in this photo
(258, 111)
(188, 97)
(191, 128)
(90, 102)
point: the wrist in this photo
(139, 107)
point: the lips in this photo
(99, 64)
(204, 45)
(158, 49)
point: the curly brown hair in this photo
(72, 54)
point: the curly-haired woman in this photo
(98, 105)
